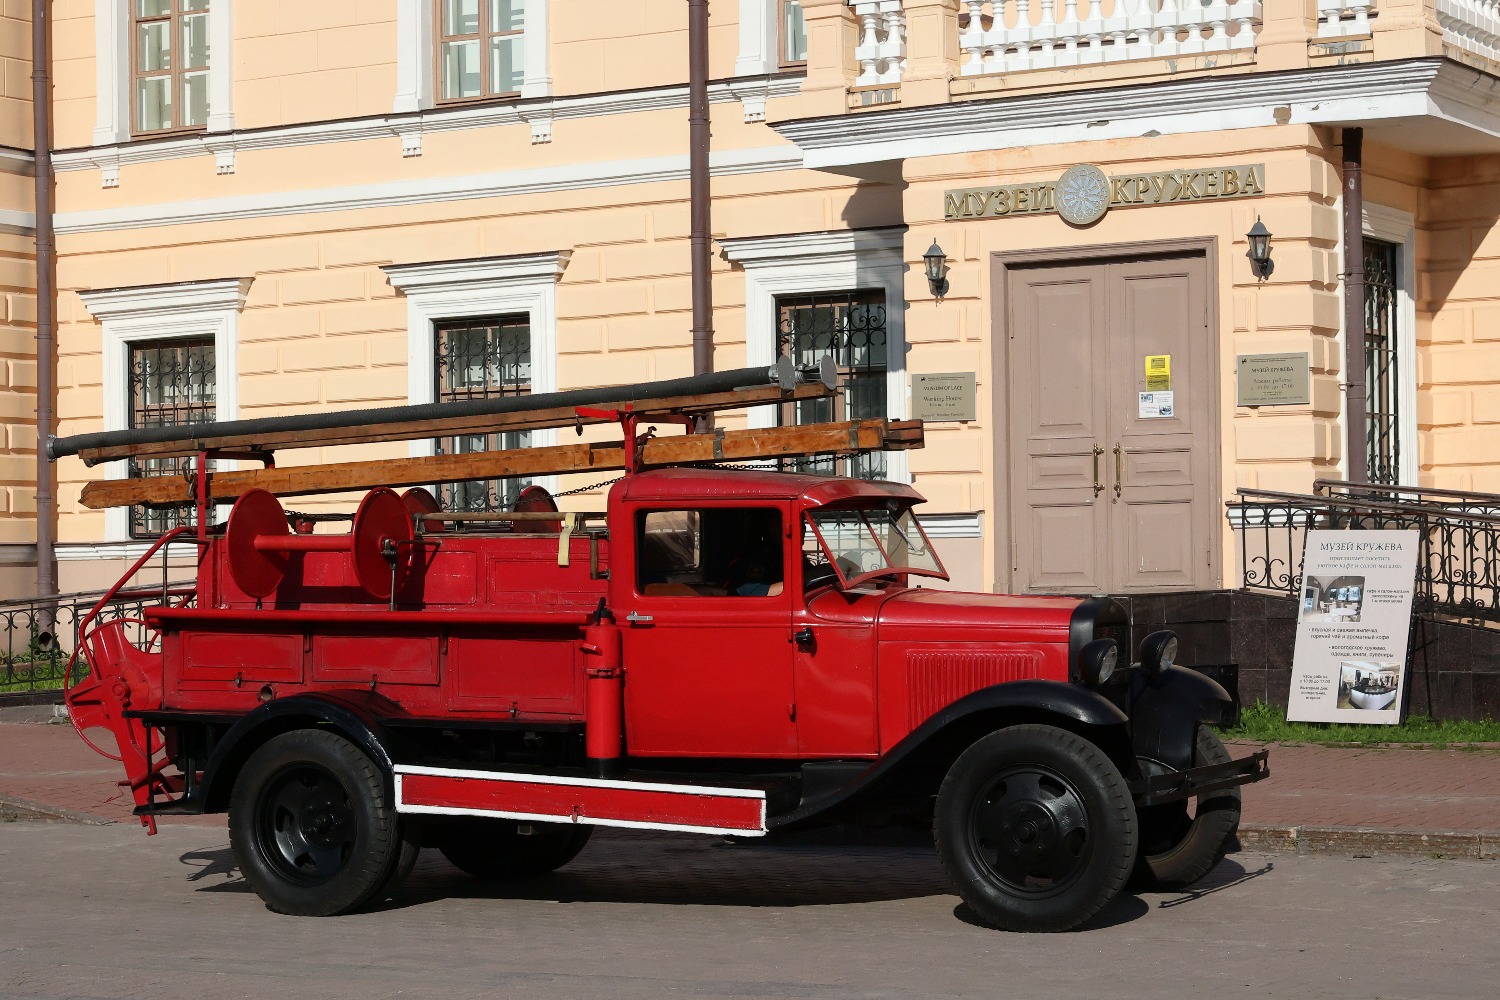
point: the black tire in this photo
(312, 826)
(1036, 828)
(498, 849)
(1179, 847)
(409, 832)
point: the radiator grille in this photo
(940, 678)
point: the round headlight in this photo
(1158, 652)
(1100, 658)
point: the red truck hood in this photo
(917, 615)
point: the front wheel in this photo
(1179, 847)
(312, 827)
(1036, 828)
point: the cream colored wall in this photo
(300, 62)
(1459, 348)
(322, 329)
(1280, 448)
(15, 75)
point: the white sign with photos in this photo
(1353, 625)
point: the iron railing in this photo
(1458, 562)
(38, 635)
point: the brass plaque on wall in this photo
(943, 396)
(1273, 380)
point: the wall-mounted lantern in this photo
(1261, 264)
(937, 269)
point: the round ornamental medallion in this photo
(1083, 194)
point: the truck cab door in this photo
(706, 631)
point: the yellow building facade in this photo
(270, 208)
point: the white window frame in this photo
(112, 90)
(462, 289)
(760, 38)
(816, 264)
(164, 312)
(415, 42)
(1392, 225)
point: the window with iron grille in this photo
(481, 48)
(1383, 363)
(792, 35)
(172, 382)
(169, 64)
(849, 328)
(482, 358)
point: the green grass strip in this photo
(1268, 724)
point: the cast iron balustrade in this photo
(1458, 562)
(37, 635)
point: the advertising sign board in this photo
(1353, 625)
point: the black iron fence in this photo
(38, 635)
(1458, 564)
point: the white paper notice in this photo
(1156, 404)
(1353, 623)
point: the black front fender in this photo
(352, 719)
(918, 762)
(1165, 713)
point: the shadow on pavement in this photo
(704, 873)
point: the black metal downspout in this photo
(698, 190)
(1356, 394)
(46, 272)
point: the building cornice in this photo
(403, 125)
(1367, 93)
(424, 191)
(167, 300)
(441, 275)
(754, 251)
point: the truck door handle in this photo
(1098, 486)
(636, 618)
(804, 638)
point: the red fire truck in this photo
(725, 651)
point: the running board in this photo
(638, 805)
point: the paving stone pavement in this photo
(1361, 800)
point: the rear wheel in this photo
(1183, 841)
(312, 827)
(1036, 828)
(506, 849)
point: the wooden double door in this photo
(1109, 490)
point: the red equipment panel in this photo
(360, 659)
(595, 801)
(538, 676)
(217, 659)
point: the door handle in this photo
(804, 638)
(1119, 466)
(636, 618)
(1098, 486)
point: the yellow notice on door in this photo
(1158, 372)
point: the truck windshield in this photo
(865, 543)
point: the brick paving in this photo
(1331, 798)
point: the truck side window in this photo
(710, 552)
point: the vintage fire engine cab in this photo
(722, 651)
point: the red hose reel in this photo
(260, 543)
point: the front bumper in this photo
(1174, 786)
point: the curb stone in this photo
(1369, 841)
(14, 809)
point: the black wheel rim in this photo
(304, 825)
(1030, 830)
